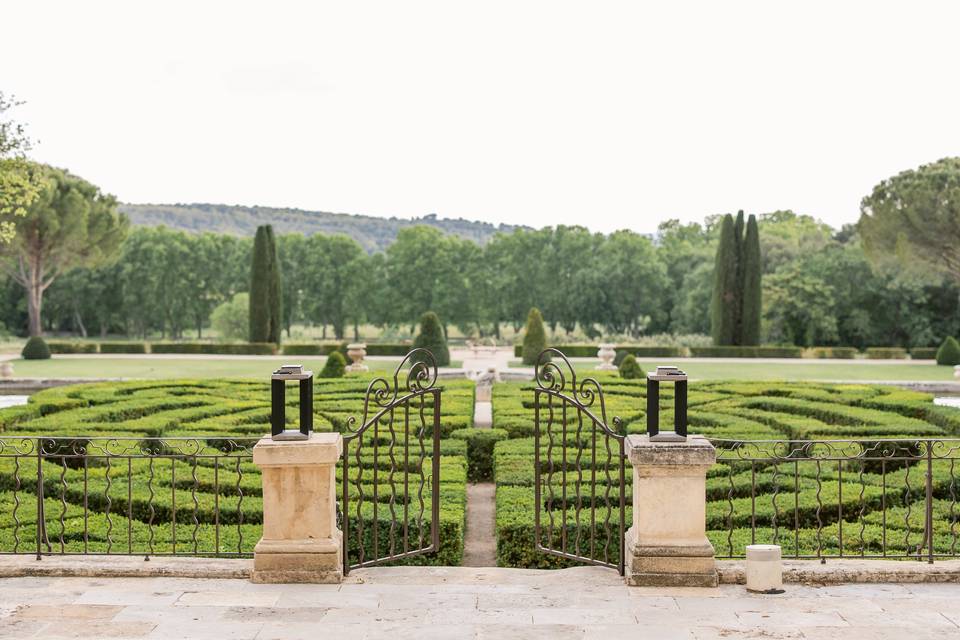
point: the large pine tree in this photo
(265, 297)
(751, 269)
(723, 315)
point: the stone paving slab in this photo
(470, 603)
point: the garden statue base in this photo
(667, 544)
(301, 542)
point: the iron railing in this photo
(836, 498)
(62, 495)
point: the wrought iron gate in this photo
(579, 460)
(390, 474)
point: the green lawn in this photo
(153, 368)
(801, 370)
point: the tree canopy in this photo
(70, 224)
(915, 218)
(19, 186)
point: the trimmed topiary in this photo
(949, 352)
(431, 338)
(480, 444)
(35, 349)
(534, 337)
(630, 369)
(335, 366)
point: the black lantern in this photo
(679, 378)
(278, 414)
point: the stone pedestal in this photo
(667, 543)
(301, 542)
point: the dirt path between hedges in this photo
(480, 543)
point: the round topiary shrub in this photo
(431, 338)
(949, 352)
(335, 366)
(630, 369)
(35, 349)
(534, 337)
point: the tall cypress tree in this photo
(265, 300)
(752, 301)
(738, 290)
(723, 313)
(275, 290)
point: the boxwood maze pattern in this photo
(165, 467)
(816, 500)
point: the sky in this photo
(610, 115)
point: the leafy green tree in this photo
(265, 292)
(19, 183)
(786, 237)
(751, 296)
(915, 218)
(231, 319)
(432, 339)
(292, 254)
(329, 271)
(534, 337)
(723, 306)
(70, 224)
(949, 352)
(800, 307)
(687, 251)
(334, 367)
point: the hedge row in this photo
(238, 348)
(847, 353)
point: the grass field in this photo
(814, 370)
(153, 368)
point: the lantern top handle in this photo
(667, 374)
(291, 372)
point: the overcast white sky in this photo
(607, 114)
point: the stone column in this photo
(667, 543)
(301, 542)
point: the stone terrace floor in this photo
(425, 603)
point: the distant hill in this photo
(373, 233)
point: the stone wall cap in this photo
(695, 450)
(319, 448)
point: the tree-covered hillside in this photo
(373, 234)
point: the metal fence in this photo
(128, 495)
(836, 498)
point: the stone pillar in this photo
(667, 543)
(301, 542)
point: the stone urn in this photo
(357, 351)
(6, 370)
(606, 354)
(956, 371)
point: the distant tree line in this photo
(818, 286)
(73, 254)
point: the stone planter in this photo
(956, 371)
(357, 351)
(606, 354)
(6, 370)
